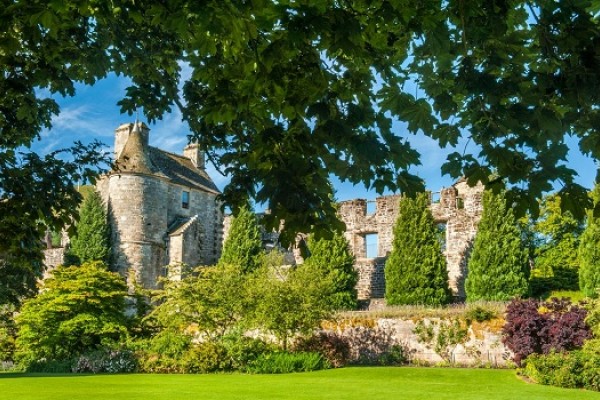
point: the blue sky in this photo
(93, 114)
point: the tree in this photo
(92, 241)
(80, 309)
(333, 259)
(589, 252)
(558, 234)
(415, 271)
(243, 246)
(213, 300)
(498, 262)
(282, 94)
(36, 194)
(289, 301)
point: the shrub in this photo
(533, 327)
(498, 262)
(564, 370)
(335, 348)
(286, 362)
(589, 252)
(334, 260)
(415, 271)
(50, 366)
(242, 350)
(480, 314)
(442, 336)
(107, 361)
(79, 310)
(92, 241)
(577, 369)
(243, 246)
(205, 357)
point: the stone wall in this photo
(458, 208)
(53, 258)
(371, 278)
(137, 210)
(482, 347)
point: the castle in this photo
(456, 210)
(163, 210)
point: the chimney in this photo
(193, 152)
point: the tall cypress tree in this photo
(415, 271)
(243, 246)
(497, 267)
(333, 259)
(92, 241)
(589, 252)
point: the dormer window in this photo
(185, 199)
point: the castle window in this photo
(371, 207)
(185, 199)
(442, 234)
(371, 244)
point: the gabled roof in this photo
(180, 170)
(137, 157)
(180, 225)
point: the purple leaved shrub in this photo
(535, 327)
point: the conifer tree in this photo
(243, 246)
(558, 233)
(498, 262)
(589, 252)
(92, 241)
(333, 259)
(416, 272)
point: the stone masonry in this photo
(457, 210)
(162, 209)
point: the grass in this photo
(346, 383)
(457, 310)
(575, 295)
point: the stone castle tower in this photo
(162, 208)
(370, 232)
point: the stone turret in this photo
(122, 135)
(134, 155)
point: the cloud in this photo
(170, 133)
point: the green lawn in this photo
(345, 384)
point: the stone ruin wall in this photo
(459, 208)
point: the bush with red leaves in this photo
(534, 327)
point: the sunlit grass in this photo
(346, 383)
(422, 311)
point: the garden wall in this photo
(482, 346)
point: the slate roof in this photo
(180, 170)
(180, 225)
(140, 158)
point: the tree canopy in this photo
(283, 93)
(80, 309)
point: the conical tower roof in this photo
(134, 157)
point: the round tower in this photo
(138, 210)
